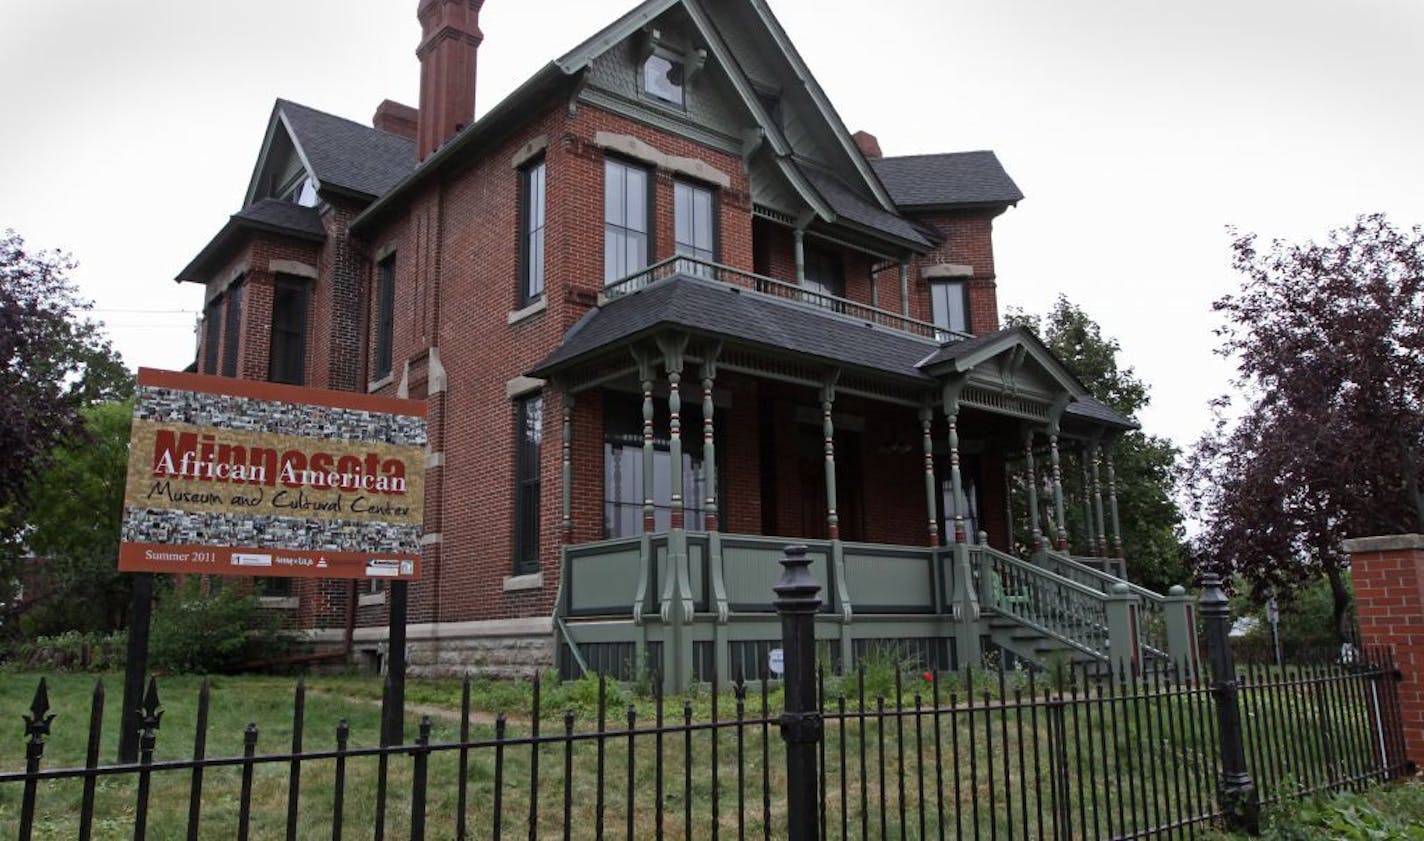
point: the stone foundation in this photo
(501, 648)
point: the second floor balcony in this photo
(808, 295)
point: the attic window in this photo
(663, 78)
(303, 192)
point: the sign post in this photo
(255, 479)
(135, 666)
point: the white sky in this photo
(1137, 130)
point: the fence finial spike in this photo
(152, 707)
(37, 722)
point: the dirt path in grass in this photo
(442, 713)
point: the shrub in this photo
(1389, 811)
(71, 651)
(201, 633)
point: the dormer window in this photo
(303, 192)
(663, 78)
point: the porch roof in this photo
(718, 310)
(707, 308)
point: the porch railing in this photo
(777, 289)
(1153, 605)
(619, 603)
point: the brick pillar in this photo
(1388, 575)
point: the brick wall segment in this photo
(1388, 574)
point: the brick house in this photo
(663, 306)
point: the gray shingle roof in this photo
(283, 215)
(268, 215)
(954, 178)
(348, 155)
(1093, 409)
(709, 308)
(856, 208)
(713, 309)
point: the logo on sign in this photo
(247, 559)
(382, 569)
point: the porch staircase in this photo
(1057, 608)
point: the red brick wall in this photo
(968, 241)
(254, 342)
(1388, 574)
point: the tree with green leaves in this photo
(1145, 464)
(54, 361)
(75, 508)
(1324, 439)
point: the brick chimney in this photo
(396, 118)
(869, 146)
(450, 37)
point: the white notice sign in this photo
(776, 661)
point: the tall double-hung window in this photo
(287, 360)
(529, 436)
(232, 327)
(949, 305)
(625, 219)
(385, 315)
(531, 232)
(694, 221)
(212, 331)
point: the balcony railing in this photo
(778, 289)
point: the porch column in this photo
(568, 466)
(905, 290)
(675, 502)
(1057, 488)
(800, 256)
(1098, 501)
(1087, 486)
(927, 444)
(646, 369)
(1112, 498)
(828, 434)
(956, 482)
(709, 445)
(1031, 480)
(680, 607)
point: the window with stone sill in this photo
(949, 305)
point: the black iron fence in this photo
(1061, 753)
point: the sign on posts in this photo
(239, 477)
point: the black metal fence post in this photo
(797, 601)
(1240, 803)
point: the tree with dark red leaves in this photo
(1328, 340)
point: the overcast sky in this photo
(1137, 130)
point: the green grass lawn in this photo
(1134, 763)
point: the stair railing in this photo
(1073, 613)
(1153, 605)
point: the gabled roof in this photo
(855, 209)
(972, 179)
(340, 154)
(266, 216)
(867, 204)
